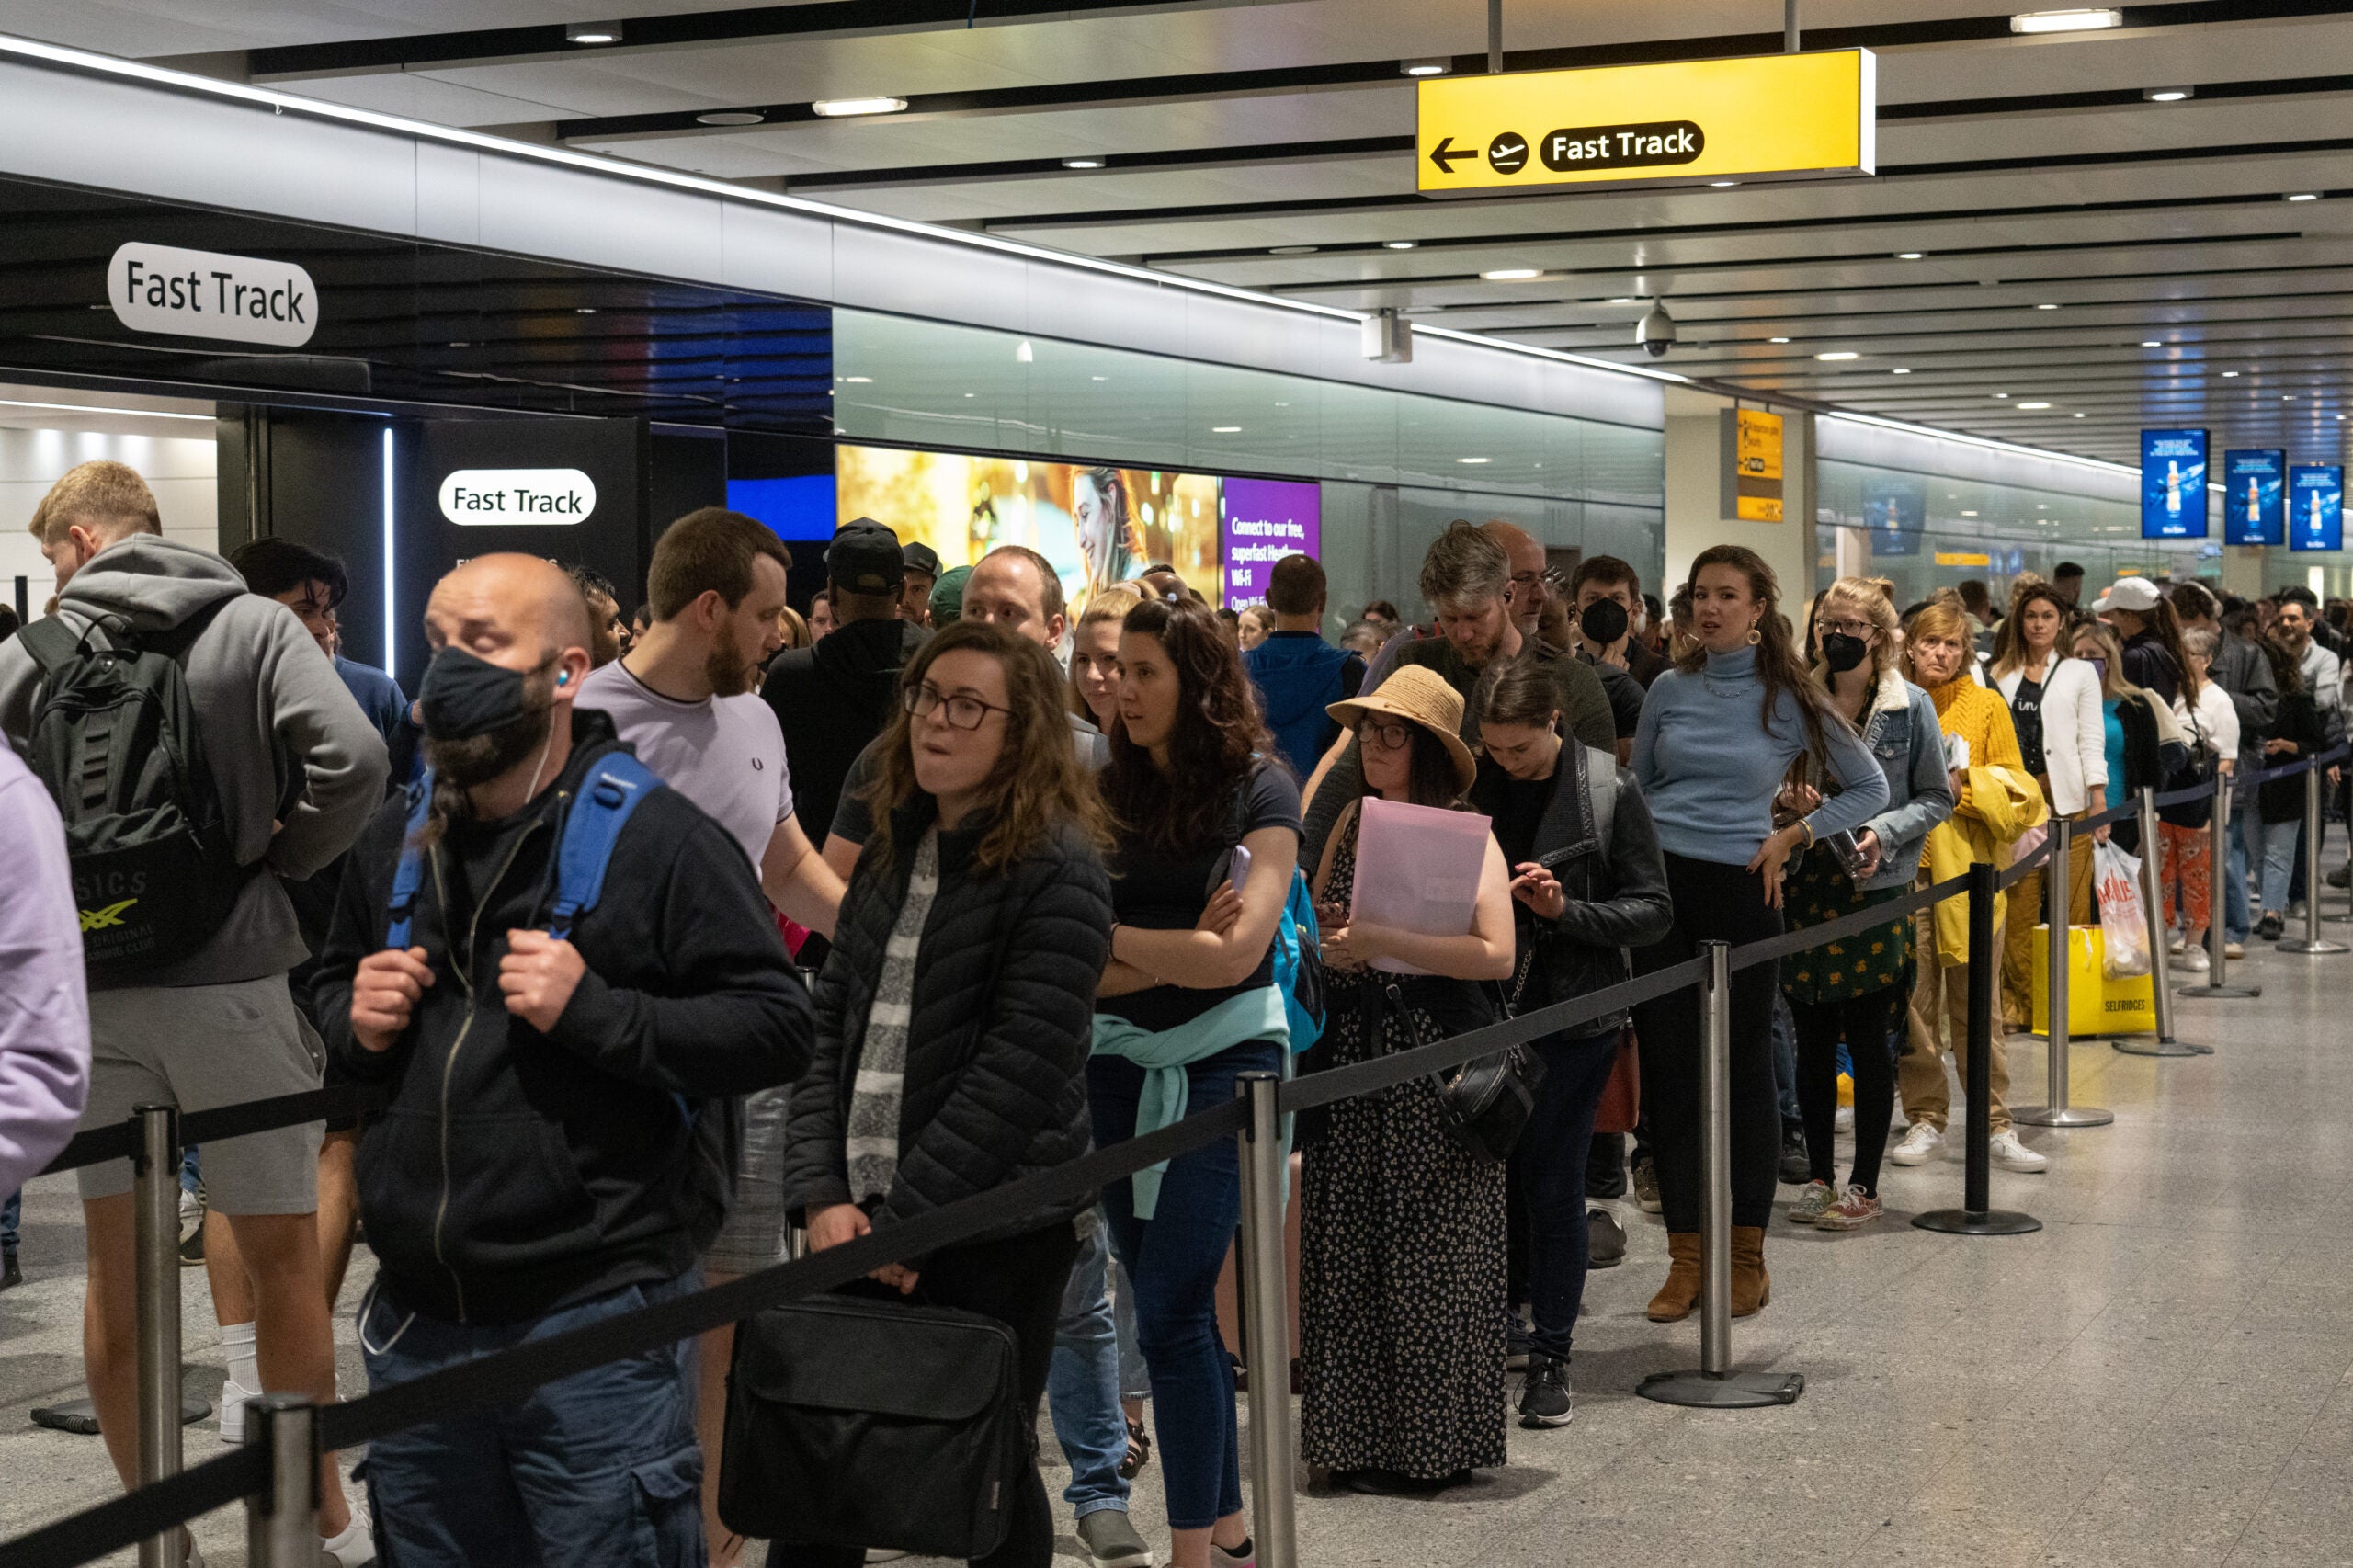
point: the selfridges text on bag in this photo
(114, 737)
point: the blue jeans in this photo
(2238, 921)
(1549, 1161)
(1135, 1379)
(2280, 842)
(600, 1468)
(1174, 1258)
(1785, 1062)
(1083, 1386)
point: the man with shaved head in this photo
(293, 768)
(548, 1159)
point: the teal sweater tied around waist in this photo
(1167, 1087)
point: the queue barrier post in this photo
(282, 1519)
(2164, 1042)
(155, 1231)
(1266, 1323)
(2218, 986)
(1715, 1385)
(2313, 942)
(1977, 1216)
(2057, 877)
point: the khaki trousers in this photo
(2025, 911)
(1939, 1021)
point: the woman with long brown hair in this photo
(1186, 1004)
(1718, 735)
(954, 1013)
(1095, 654)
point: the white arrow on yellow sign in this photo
(1762, 116)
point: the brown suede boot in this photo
(1751, 1286)
(1674, 1301)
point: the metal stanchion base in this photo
(2146, 1045)
(2221, 993)
(1992, 1222)
(1723, 1391)
(2314, 948)
(2066, 1116)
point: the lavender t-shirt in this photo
(725, 753)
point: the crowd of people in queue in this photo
(934, 887)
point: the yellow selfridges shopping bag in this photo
(2096, 1005)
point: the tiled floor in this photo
(2162, 1376)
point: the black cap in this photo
(864, 558)
(921, 557)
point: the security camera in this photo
(1656, 331)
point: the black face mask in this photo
(1843, 652)
(1603, 622)
(464, 696)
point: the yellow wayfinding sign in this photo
(1764, 116)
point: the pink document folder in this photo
(1417, 870)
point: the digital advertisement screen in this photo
(798, 507)
(2173, 484)
(1097, 525)
(2252, 494)
(2316, 507)
(1894, 511)
(1264, 520)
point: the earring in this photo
(1755, 637)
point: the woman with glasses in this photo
(1206, 837)
(954, 1015)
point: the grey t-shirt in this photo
(854, 820)
(725, 753)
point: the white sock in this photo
(237, 1342)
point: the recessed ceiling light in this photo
(2001, 394)
(1777, 340)
(2168, 95)
(1399, 245)
(2305, 196)
(1470, 460)
(1292, 250)
(859, 381)
(2034, 406)
(1426, 67)
(1840, 354)
(731, 117)
(2228, 374)
(1625, 300)
(1225, 429)
(1901, 370)
(1082, 163)
(1721, 184)
(2082, 20)
(461, 344)
(2287, 397)
(1511, 274)
(1908, 255)
(839, 108)
(583, 310)
(2046, 307)
(592, 32)
(1098, 377)
(2078, 415)
(2151, 343)
(1969, 514)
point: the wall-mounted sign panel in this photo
(202, 293)
(2316, 507)
(1896, 511)
(2252, 494)
(1752, 465)
(1762, 117)
(2173, 484)
(1260, 521)
(516, 497)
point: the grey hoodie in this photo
(265, 698)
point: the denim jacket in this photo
(1902, 731)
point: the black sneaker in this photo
(1605, 1239)
(2341, 876)
(1796, 1169)
(10, 1275)
(1544, 1399)
(2270, 928)
(1646, 1177)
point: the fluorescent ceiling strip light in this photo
(1532, 351)
(93, 408)
(392, 616)
(1987, 443)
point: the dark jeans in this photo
(11, 1214)
(1604, 1166)
(1173, 1261)
(597, 1469)
(1712, 903)
(1019, 1282)
(1548, 1167)
(1866, 1024)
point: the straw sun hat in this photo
(1420, 695)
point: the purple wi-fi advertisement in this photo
(1262, 520)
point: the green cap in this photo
(948, 595)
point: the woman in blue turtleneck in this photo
(1718, 734)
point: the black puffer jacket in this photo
(1001, 1026)
(1616, 891)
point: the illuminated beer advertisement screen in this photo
(2253, 484)
(2316, 507)
(2173, 484)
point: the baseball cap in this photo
(2135, 594)
(921, 557)
(864, 558)
(948, 595)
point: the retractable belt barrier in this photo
(499, 1379)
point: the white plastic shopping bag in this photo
(2116, 878)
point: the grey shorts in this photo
(753, 1238)
(201, 1047)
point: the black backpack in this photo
(114, 737)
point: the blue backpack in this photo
(1296, 955)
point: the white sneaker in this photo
(356, 1547)
(233, 1396)
(2013, 1156)
(2177, 944)
(1844, 1122)
(2193, 961)
(2233, 951)
(1919, 1145)
(1813, 1203)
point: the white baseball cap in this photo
(2136, 594)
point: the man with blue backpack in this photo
(557, 966)
(1297, 673)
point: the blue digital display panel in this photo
(796, 508)
(2316, 507)
(2253, 484)
(2173, 484)
(1894, 511)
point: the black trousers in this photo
(1868, 1024)
(1019, 1282)
(1712, 903)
